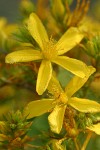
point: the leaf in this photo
(75, 66)
(44, 76)
(56, 118)
(95, 128)
(69, 40)
(84, 105)
(38, 107)
(76, 82)
(37, 30)
(23, 56)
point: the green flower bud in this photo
(57, 9)
(89, 122)
(26, 7)
(13, 126)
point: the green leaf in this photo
(38, 107)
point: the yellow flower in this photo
(60, 102)
(49, 52)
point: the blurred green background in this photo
(10, 9)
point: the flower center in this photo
(49, 51)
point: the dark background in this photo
(10, 9)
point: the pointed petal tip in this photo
(37, 29)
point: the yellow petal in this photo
(38, 107)
(54, 87)
(56, 118)
(75, 66)
(23, 56)
(70, 39)
(84, 105)
(44, 76)
(76, 82)
(95, 128)
(37, 30)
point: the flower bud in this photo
(57, 9)
(26, 7)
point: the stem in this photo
(86, 141)
(76, 144)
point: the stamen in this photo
(49, 51)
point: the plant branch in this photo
(86, 141)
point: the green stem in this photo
(76, 144)
(86, 141)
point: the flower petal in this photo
(95, 128)
(75, 66)
(76, 82)
(54, 87)
(56, 118)
(37, 30)
(23, 56)
(44, 76)
(84, 105)
(70, 39)
(38, 107)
